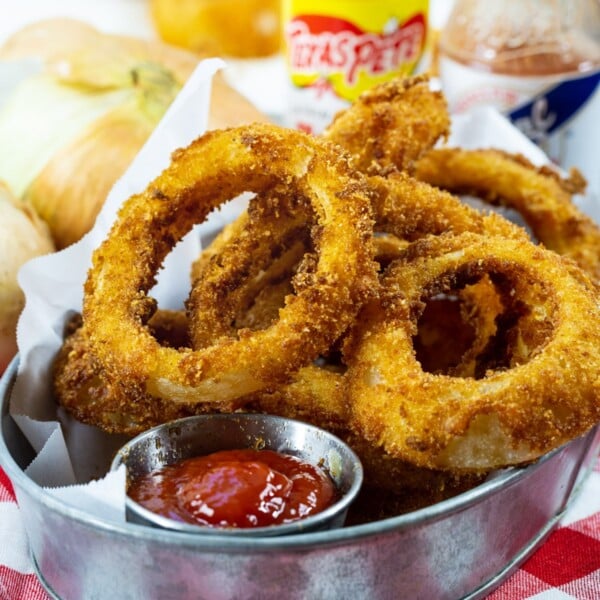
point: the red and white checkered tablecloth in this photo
(566, 567)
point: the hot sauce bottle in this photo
(336, 49)
(538, 61)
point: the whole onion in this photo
(82, 118)
(23, 235)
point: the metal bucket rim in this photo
(420, 517)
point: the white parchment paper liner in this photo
(70, 454)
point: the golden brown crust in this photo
(545, 396)
(242, 279)
(540, 195)
(391, 125)
(250, 158)
(523, 381)
(411, 209)
(82, 386)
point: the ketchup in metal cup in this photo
(538, 61)
(336, 49)
(236, 489)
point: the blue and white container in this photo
(537, 61)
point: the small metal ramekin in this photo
(204, 434)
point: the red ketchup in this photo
(236, 488)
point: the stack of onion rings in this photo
(542, 198)
(288, 315)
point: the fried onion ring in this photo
(545, 396)
(242, 279)
(540, 195)
(387, 127)
(215, 168)
(391, 125)
(82, 387)
(411, 209)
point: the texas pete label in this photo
(337, 50)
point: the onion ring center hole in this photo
(443, 336)
(476, 327)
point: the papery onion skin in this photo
(73, 185)
(53, 39)
(69, 158)
(23, 235)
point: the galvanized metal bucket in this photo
(460, 548)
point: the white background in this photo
(113, 16)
